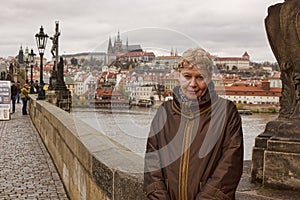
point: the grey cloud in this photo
(222, 27)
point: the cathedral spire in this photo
(118, 38)
(172, 52)
(21, 55)
(109, 48)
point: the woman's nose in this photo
(193, 82)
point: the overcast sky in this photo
(222, 27)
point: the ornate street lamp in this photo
(31, 60)
(41, 41)
(26, 61)
(26, 68)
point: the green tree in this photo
(74, 61)
(121, 90)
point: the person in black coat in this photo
(14, 92)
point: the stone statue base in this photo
(60, 98)
(59, 87)
(53, 80)
(276, 155)
(55, 83)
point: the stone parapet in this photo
(276, 156)
(91, 165)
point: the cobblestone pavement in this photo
(26, 168)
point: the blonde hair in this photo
(196, 57)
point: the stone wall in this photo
(91, 165)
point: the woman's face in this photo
(193, 82)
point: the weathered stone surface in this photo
(257, 165)
(124, 184)
(289, 130)
(261, 142)
(120, 159)
(284, 146)
(103, 176)
(260, 146)
(281, 170)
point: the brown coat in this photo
(194, 150)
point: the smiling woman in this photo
(195, 72)
(193, 83)
(195, 145)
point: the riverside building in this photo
(246, 93)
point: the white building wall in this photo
(143, 92)
(275, 83)
(78, 88)
(240, 64)
(87, 81)
(252, 99)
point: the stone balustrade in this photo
(91, 165)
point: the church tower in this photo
(246, 56)
(21, 56)
(118, 44)
(26, 54)
(172, 52)
(109, 48)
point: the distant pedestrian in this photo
(36, 86)
(25, 96)
(19, 91)
(14, 92)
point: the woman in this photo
(195, 145)
(24, 96)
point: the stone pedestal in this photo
(53, 80)
(60, 98)
(276, 155)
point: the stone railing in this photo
(91, 165)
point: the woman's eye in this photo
(187, 76)
(200, 77)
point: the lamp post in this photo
(26, 64)
(41, 41)
(26, 69)
(31, 60)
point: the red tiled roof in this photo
(167, 57)
(246, 54)
(101, 92)
(275, 76)
(230, 59)
(132, 54)
(149, 54)
(137, 54)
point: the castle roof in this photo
(230, 59)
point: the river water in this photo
(130, 127)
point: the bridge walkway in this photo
(26, 168)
